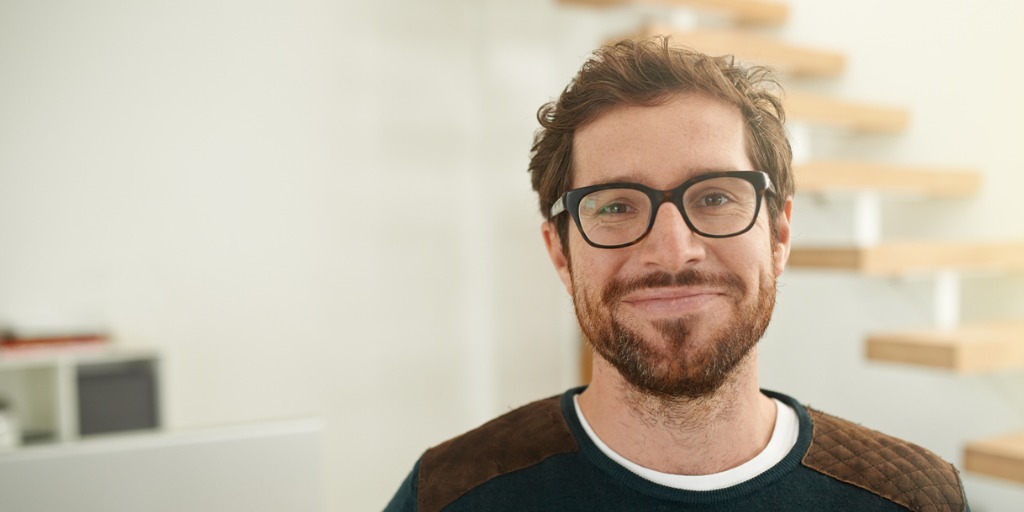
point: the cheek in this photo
(752, 262)
(592, 269)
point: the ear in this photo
(783, 243)
(553, 243)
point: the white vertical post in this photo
(683, 19)
(867, 218)
(800, 141)
(947, 299)
(67, 399)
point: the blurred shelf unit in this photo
(858, 116)
(1000, 457)
(66, 393)
(741, 12)
(844, 176)
(901, 258)
(794, 60)
(961, 349)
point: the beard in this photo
(683, 366)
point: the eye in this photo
(713, 199)
(615, 208)
(614, 205)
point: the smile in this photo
(671, 301)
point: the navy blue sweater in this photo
(538, 458)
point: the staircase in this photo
(949, 345)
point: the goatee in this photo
(680, 367)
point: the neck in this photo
(684, 436)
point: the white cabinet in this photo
(60, 395)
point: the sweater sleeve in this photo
(405, 499)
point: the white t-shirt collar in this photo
(784, 436)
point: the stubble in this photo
(679, 365)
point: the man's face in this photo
(676, 312)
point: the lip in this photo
(668, 301)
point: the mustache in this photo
(622, 287)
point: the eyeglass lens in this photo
(721, 206)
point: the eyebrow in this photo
(635, 178)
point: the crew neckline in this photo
(785, 435)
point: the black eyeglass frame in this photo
(570, 202)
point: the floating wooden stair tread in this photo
(897, 258)
(816, 109)
(751, 48)
(837, 175)
(1000, 457)
(964, 349)
(746, 12)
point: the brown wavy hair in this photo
(650, 72)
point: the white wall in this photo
(320, 207)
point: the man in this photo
(665, 179)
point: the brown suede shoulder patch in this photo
(517, 440)
(893, 469)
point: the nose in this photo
(671, 245)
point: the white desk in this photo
(265, 467)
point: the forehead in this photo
(660, 146)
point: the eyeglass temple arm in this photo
(558, 207)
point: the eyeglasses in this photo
(714, 205)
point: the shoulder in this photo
(896, 470)
(519, 439)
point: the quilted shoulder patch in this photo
(896, 470)
(517, 440)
